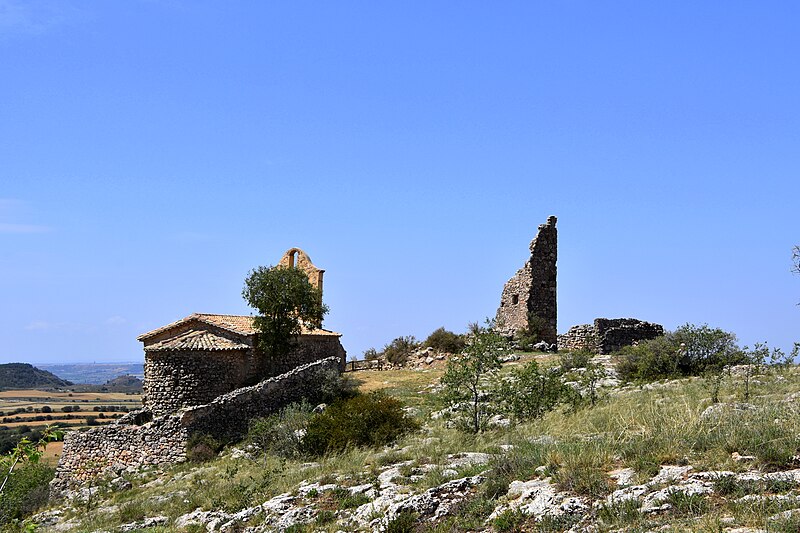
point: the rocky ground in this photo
(508, 479)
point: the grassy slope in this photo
(637, 427)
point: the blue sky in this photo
(151, 153)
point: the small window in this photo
(515, 299)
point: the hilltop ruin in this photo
(530, 296)
(202, 374)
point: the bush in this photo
(332, 385)
(649, 360)
(397, 351)
(576, 359)
(468, 389)
(281, 434)
(201, 448)
(442, 340)
(529, 392)
(688, 351)
(25, 492)
(366, 420)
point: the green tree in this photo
(530, 392)
(286, 302)
(466, 388)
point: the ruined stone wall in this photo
(532, 290)
(162, 440)
(578, 338)
(227, 417)
(177, 379)
(613, 334)
(310, 348)
(90, 454)
(607, 336)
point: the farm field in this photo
(29, 410)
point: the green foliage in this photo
(701, 348)
(649, 360)
(528, 393)
(620, 513)
(466, 390)
(398, 351)
(202, 447)
(442, 340)
(688, 351)
(366, 420)
(576, 359)
(347, 500)
(25, 492)
(582, 469)
(403, 522)
(509, 520)
(286, 301)
(371, 354)
(26, 452)
(331, 385)
(281, 434)
(27, 376)
(684, 503)
(526, 338)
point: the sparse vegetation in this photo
(466, 386)
(398, 351)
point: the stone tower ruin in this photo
(531, 294)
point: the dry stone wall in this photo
(162, 440)
(613, 334)
(607, 336)
(177, 379)
(532, 290)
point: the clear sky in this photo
(152, 152)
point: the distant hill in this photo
(95, 373)
(27, 376)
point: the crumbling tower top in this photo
(529, 298)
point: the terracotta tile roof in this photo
(241, 324)
(197, 340)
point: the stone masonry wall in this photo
(578, 338)
(177, 379)
(607, 336)
(162, 440)
(89, 454)
(532, 290)
(227, 417)
(310, 348)
(613, 334)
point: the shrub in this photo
(365, 420)
(442, 340)
(281, 434)
(529, 392)
(332, 385)
(397, 351)
(649, 360)
(371, 354)
(466, 389)
(403, 522)
(688, 351)
(25, 491)
(576, 359)
(201, 448)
